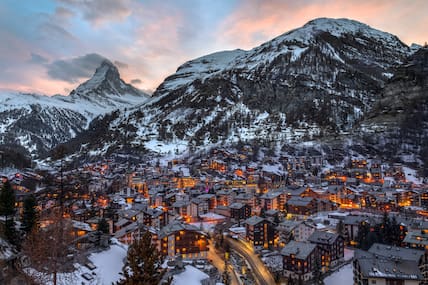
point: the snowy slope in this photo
(294, 43)
(314, 81)
(40, 122)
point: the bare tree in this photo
(50, 249)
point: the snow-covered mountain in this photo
(317, 80)
(330, 80)
(40, 122)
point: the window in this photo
(373, 282)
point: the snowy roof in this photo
(398, 252)
(181, 203)
(416, 237)
(288, 225)
(300, 201)
(321, 237)
(301, 250)
(82, 226)
(127, 229)
(236, 205)
(254, 220)
(176, 226)
(213, 216)
(271, 195)
(388, 267)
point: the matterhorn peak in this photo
(107, 71)
(105, 82)
(105, 67)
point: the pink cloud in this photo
(254, 22)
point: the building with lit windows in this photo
(389, 265)
(179, 238)
(332, 244)
(300, 260)
(259, 232)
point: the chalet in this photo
(406, 197)
(324, 205)
(384, 264)
(183, 239)
(351, 224)
(198, 207)
(272, 215)
(299, 260)
(80, 228)
(155, 218)
(286, 231)
(422, 198)
(296, 230)
(210, 199)
(259, 232)
(239, 211)
(224, 197)
(333, 247)
(182, 208)
(273, 200)
(129, 233)
(300, 192)
(416, 239)
(246, 198)
(301, 206)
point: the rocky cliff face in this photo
(398, 123)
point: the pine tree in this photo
(7, 209)
(395, 232)
(10, 232)
(7, 200)
(103, 226)
(363, 231)
(385, 229)
(29, 214)
(102, 232)
(143, 263)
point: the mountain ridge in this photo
(40, 122)
(282, 91)
(301, 86)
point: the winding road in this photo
(261, 273)
(218, 262)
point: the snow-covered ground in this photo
(349, 254)
(191, 276)
(108, 265)
(411, 175)
(344, 275)
(341, 277)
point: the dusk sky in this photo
(50, 46)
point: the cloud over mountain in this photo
(74, 69)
